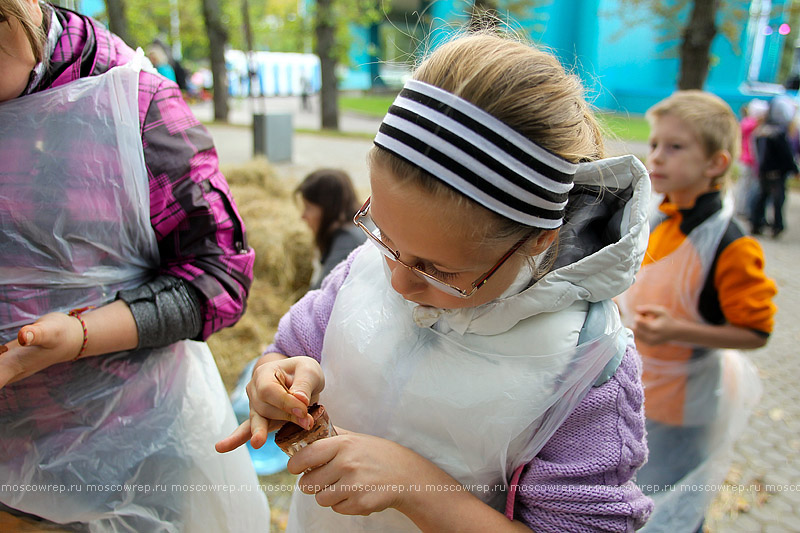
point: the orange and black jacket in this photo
(737, 290)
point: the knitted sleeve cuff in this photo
(166, 310)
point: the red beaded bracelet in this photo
(77, 314)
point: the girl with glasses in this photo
(469, 353)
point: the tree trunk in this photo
(217, 39)
(117, 21)
(248, 40)
(329, 92)
(695, 51)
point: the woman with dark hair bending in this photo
(329, 203)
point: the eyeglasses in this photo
(365, 222)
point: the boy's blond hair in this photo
(709, 117)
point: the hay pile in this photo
(284, 255)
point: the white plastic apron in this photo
(696, 398)
(123, 442)
(478, 416)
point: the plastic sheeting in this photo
(74, 198)
(697, 400)
(123, 442)
(477, 413)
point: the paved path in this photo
(766, 458)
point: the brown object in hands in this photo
(3, 348)
(291, 438)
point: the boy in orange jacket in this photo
(702, 289)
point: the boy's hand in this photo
(653, 325)
(52, 339)
(280, 390)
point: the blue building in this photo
(626, 66)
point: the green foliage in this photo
(150, 20)
(277, 25)
(346, 13)
(669, 19)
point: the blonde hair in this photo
(711, 120)
(522, 86)
(35, 33)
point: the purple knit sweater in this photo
(581, 480)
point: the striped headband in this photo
(477, 154)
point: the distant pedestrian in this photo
(746, 188)
(701, 294)
(160, 61)
(776, 163)
(181, 76)
(305, 93)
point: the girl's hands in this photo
(54, 338)
(281, 390)
(357, 474)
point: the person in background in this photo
(776, 163)
(700, 295)
(158, 57)
(305, 92)
(123, 251)
(747, 186)
(329, 203)
(181, 76)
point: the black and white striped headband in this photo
(477, 154)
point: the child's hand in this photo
(357, 474)
(54, 338)
(653, 325)
(280, 390)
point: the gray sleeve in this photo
(166, 310)
(345, 242)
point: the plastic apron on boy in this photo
(697, 400)
(123, 442)
(476, 414)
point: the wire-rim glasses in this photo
(365, 222)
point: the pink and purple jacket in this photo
(581, 481)
(200, 234)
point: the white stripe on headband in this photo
(477, 154)
(431, 139)
(499, 126)
(484, 145)
(449, 177)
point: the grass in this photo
(617, 125)
(370, 105)
(625, 127)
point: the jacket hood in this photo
(81, 46)
(600, 249)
